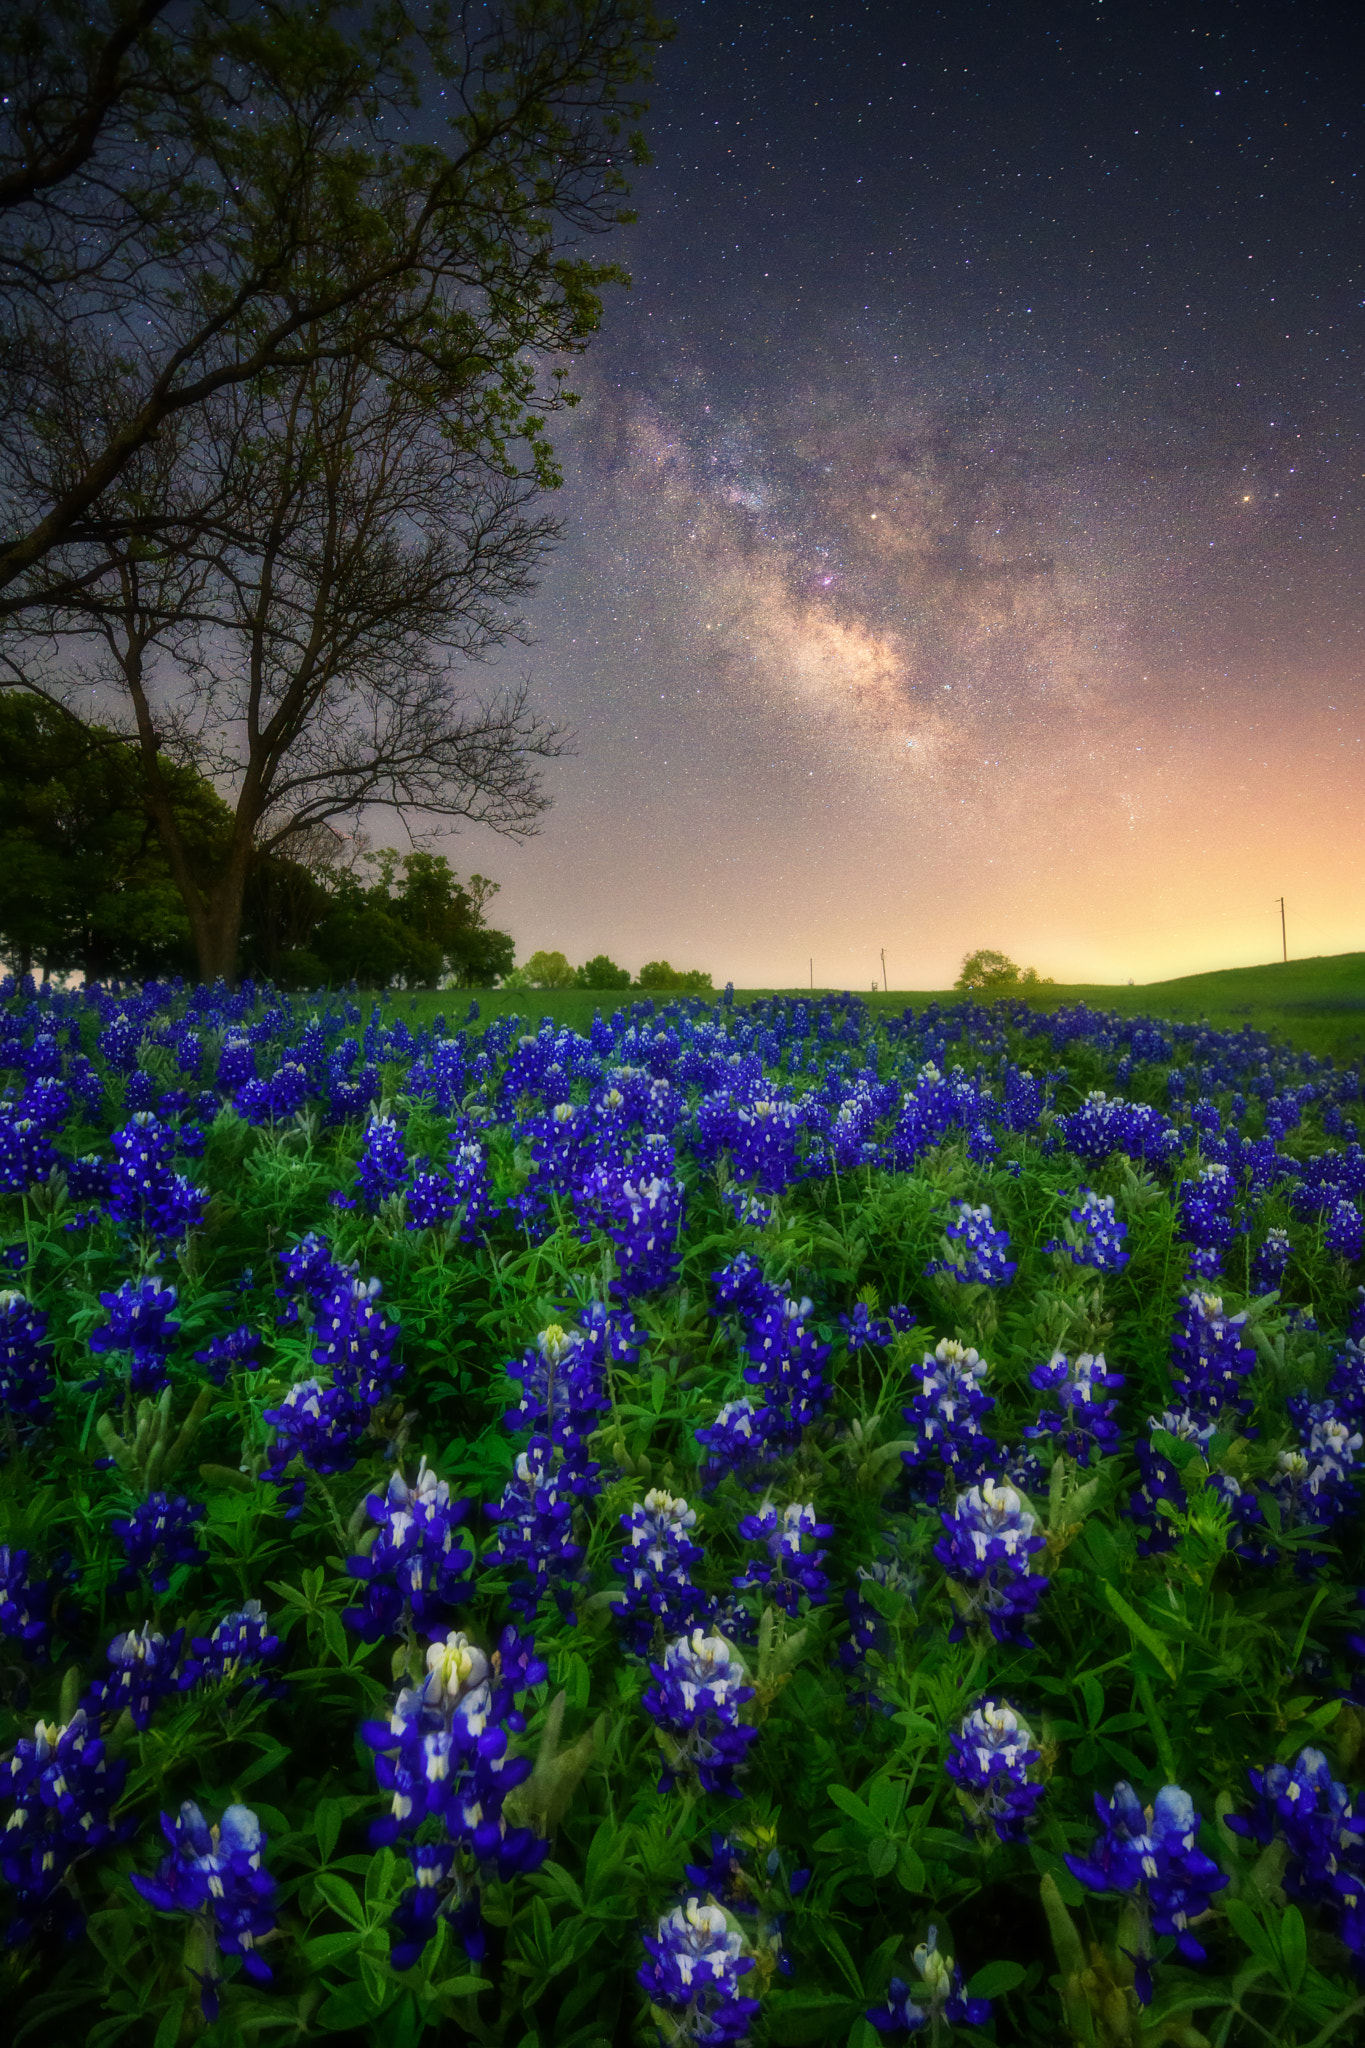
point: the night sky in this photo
(964, 512)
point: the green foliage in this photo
(657, 974)
(601, 972)
(547, 970)
(994, 974)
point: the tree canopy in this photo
(989, 973)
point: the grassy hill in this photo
(1317, 1004)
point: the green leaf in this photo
(881, 1856)
(1249, 1931)
(910, 1872)
(1293, 1947)
(1141, 1630)
(334, 1635)
(996, 1979)
(834, 1942)
(327, 1818)
(341, 1898)
(849, 1803)
(168, 2033)
(460, 1987)
(326, 1948)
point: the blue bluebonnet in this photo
(740, 1288)
(736, 1443)
(237, 1350)
(697, 1960)
(993, 1760)
(867, 1630)
(938, 1999)
(865, 1327)
(1206, 1208)
(787, 1364)
(1323, 1830)
(139, 1324)
(25, 1357)
(319, 1424)
(237, 1653)
(791, 1567)
(744, 1881)
(236, 1065)
(1271, 1261)
(695, 1701)
(1160, 1477)
(1211, 1357)
(145, 1192)
(661, 1593)
(535, 1520)
(383, 1167)
(1094, 1236)
(471, 1186)
(1105, 1124)
(561, 1384)
(215, 1876)
(1150, 1855)
(1082, 1422)
(356, 1341)
(1344, 1235)
(26, 1599)
(747, 1207)
(950, 1446)
(975, 1249)
(988, 1541)
(416, 1571)
(1317, 1481)
(642, 1213)
(443, 1756)
(60, 1790)
(144, 1670)
(26, 1152)
(430, 1201)
(157, 1538)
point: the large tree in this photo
(344, 546)
(194, 198)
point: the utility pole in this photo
(812, 976)
(883, 970)
(1284, 943)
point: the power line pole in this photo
(883, 970)
(812, 975)
(1284, 943)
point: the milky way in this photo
(963, 516)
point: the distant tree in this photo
(995, 974)
(657, 974)
(602, 972)
(548, 970)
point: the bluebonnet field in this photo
(774, 1523)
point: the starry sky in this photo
(964, 514)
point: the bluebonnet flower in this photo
(1211, 1357)
(792, 1565)
(26, 1601)
(1105, 1124)
(993, 1761)
(239, 1349)
(355, 1339)
(471, 1185)
(535, 1520)
(1096, 1235)
(1324, 1833)
(735, 1880)
(139, 1324)
(144, 1671)
(867, 1630)
(642, 1213)
(443, 1757)
(1344, 1236)
(240, 1646)
(747, 1207)
(1271, 1260)
(25, 1357)
(1081, 1423)
(236, 1065)
(787, 1363)
(383, 1166)
(741, 1289)
(945, 1415)
(157, 1538)
(864, 1327)
(761, 1136)
(311, 1271)
(975, 1249)
(937, 2000)
(26, 1154)
(736, 1442)
(215, 1876)
(658, 1569)
(1149, 1855)
(1316, 1482)
(561, 1386)
(692, 1978)
(988, 1541)
(431, 1199)
(1206, 1218)
(61, 1791)
(319, 1425)
(1161, 1480)
(416, 1571)
(695, 1701)
(145, 1193)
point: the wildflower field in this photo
(795, 1522)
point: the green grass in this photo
(1318, 1005)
